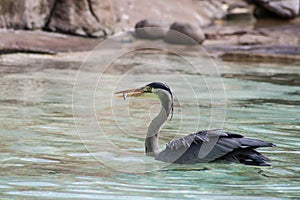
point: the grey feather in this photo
(197, 138)
(228, 146)
(255, 143)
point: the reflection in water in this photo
(42, 155)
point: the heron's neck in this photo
(151, 142)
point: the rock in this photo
(237, 4)
(97, 18)
(76, 17)
(195, 12)
(150, 29)
(252, 39)
(284, 8)
(29, 14)
(184, 33)
(13, 41)
(240, 12)
(104, 10)
(262, 13)
(38, 13)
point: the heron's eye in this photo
(147, 89)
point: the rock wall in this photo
(75, 17)
(25, 14)
(101, 17)
(98, 18)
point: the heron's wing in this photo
(206, 146)
(195, 138)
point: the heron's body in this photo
(214, 146)
(201, 147)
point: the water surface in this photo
(44, 156)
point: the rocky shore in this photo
(231, 30)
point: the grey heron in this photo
(201, 147)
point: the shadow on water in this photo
(251, 102)
(280, 79)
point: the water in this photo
(43, 155)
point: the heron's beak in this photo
(130, 93)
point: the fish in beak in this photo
(130, 93)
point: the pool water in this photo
(64, 135)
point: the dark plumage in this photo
(214, 145)
(160, 85)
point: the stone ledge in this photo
(13, 41)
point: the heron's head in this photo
(157, 90)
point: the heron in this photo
(201, 147)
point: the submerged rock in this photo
(184, 33)
(150, 29)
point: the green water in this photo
(44, 156)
